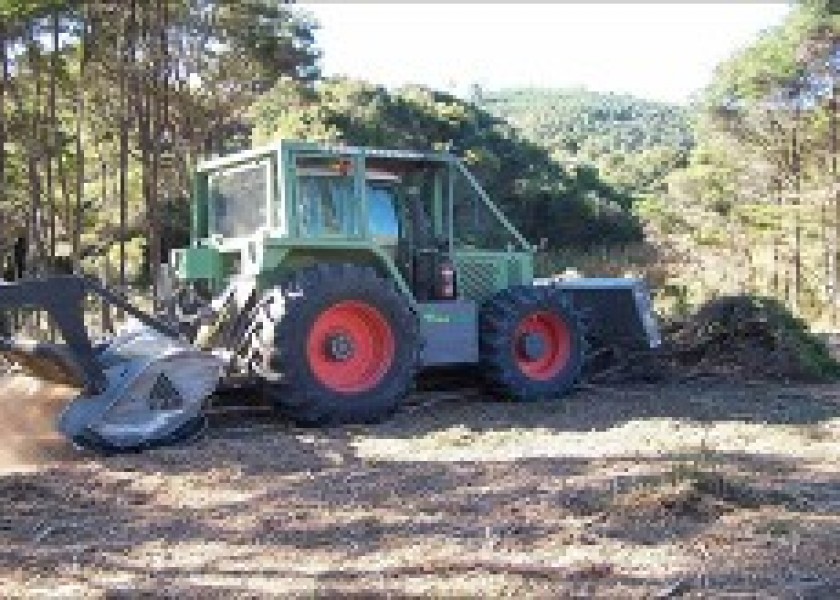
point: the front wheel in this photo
(338, 344)
(532, 343)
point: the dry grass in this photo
(710, 490)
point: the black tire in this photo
(512, 373)
(284, 319)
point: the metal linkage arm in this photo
(63, 298)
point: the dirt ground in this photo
(703, 489)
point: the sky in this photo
(659, 51)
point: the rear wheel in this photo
(337, 344)
(532, 343)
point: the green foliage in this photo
(566, 205)
(173, 79)
(278, 39)
(753, 208)
(632, 142)
(13, 10)
(759, 128)
(776, 58)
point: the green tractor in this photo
(329, 276)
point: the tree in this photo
(105, 107)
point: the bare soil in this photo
(704, 489)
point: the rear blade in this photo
(618, 310)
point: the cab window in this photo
(382, 215)
(326, 204)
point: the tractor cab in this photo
(425, 219)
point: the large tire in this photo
(336, 344)
(532, 343)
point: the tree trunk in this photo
(35, 233)
(80, 153)
(127, 51)
(52, 136)
(4, 78)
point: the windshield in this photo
(238, 199)
(326, 206)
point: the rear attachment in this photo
(617, 311)
(145, 387)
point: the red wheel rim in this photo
(365, 331)
(557, 345)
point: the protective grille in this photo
(477, 280)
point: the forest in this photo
(736, 192)
(106, 108)
(757, 204)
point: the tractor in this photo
(328, 276)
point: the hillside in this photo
(633, 142)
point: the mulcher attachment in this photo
(156, 387)
(144, 387)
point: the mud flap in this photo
(155, 393)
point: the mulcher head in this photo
(142, 388)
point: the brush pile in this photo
(745, 337)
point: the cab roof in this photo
(296, 146)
